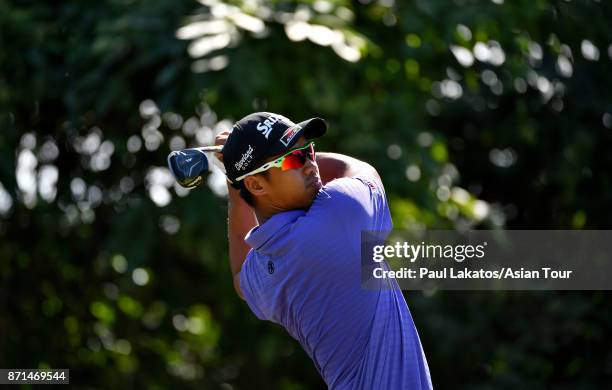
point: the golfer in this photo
(295, 223)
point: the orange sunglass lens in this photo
(293, 161)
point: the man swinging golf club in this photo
(295, 223)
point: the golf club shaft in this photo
(214, 148)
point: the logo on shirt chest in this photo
(270, 267)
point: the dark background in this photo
(491, 114)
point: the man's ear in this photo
(255, 185)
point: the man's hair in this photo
(245, 193)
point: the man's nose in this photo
(309, 167)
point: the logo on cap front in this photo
(266, 126)
(289, 134)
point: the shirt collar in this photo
(260, 235)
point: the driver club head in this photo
(189, 167)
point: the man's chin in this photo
(315, 184)
(309, 200)
(314, 188)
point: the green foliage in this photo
(475, 113)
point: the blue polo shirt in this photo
(304, 273)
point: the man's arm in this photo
(334, 166)
(240, 219)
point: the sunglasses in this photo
(294, 159)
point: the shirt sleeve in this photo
(249, 283)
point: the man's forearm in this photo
(334, 165)
(241, 219)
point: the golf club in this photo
(190, 166)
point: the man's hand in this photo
(220, 140)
